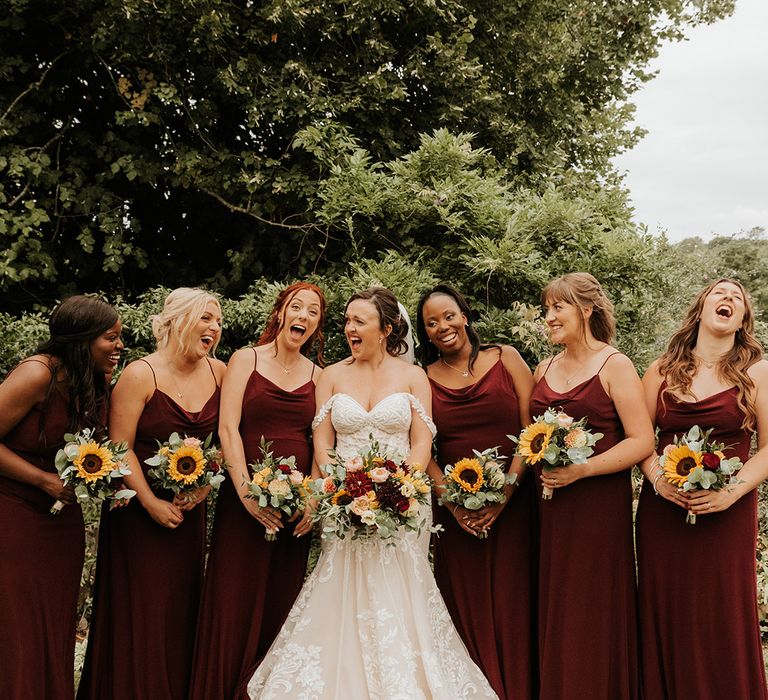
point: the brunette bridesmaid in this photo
(698, 594)
(480, 394)
(251, 583)
(61, 389)
(151, 553)
(587, 592)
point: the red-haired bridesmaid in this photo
(61, 389)
(251, 583)
(698, 594)
(480, 395)
(150, 562)
(587, 592)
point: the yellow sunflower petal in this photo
(186, 464)
(93, 461)
(468, 474)
(534, 440)
(679, 462)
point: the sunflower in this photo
(341, 498)
(679, 462)
(468, 474)
(534, 440)
(93, 461)
(186, 464)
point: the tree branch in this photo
(32, 86)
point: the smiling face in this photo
(566, 322)
(300, 318)
(445, 324)
(723, 308)
(106, 349)
(362, 327)
(205, 334)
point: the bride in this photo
(369, 621)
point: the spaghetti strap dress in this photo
(489, 585)
(698, 592)
(250, 583)
(41, 560)
(148, 579)
(587, 592)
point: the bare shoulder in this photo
(759, 371)
(219, 368)
(35, 369)
(652, 374)
(543, 366)
(241, 357)
(138, 374)
(511, 358)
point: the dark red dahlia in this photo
(358, 484)
(388, 494)
(285, 468)
(389, 464)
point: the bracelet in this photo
(656, 480)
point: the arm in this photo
(323, 436)
(134, 388)
(755, 470)
(626, 392)
(23, 389)
(420, 435)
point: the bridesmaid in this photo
(587, 594)
(61, 389)
(151, 553)
(480, 394)
(250, 583)
(698, 594)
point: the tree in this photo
(146, 141)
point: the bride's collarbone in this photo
(368, 402)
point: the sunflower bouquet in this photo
(474, 482)
(556, 440)
(370, 495)
(278, 483)
(94, 468)
(692, 461)
(186, 463)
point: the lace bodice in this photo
(388, 422)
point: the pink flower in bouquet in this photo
(279, 488)
(564, 420)
(355, 464)
(668, 449)
(328, 485)
(295, 477)
(710, 461)
(361, 504)
(379, 474)
(191, 442)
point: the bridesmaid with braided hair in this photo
(698, 594)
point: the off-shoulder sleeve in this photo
(419, 408)
(325, 409)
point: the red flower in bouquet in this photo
(358, 484)
(710, 461)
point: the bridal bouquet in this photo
(692, 462)
(474, 482)
(370, 495)
(556, 440)
(278, 483)
(186, 463)
(94, 468)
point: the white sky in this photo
(702, 169)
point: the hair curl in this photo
(678, 363)
(583, 291)
(389, 315)
(182, 309)
(276, 319)
(74, 324)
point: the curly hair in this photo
(678, 363)
(182, 310)
(276, 319)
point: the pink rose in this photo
(564, 420)
(355, 464)
(360, 505)
(328, 485)
(295, 477)
(379, 474)
(191, 442)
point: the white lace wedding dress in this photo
(369, 621)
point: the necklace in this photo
(462, 372)
(709, 364)
(287, 368)
(180, 391)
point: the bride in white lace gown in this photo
(369, 621)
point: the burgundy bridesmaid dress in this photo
(41, 560)
(698, 592)
(250, 583)
(587, 594)
(148, 579)
(489, 584)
